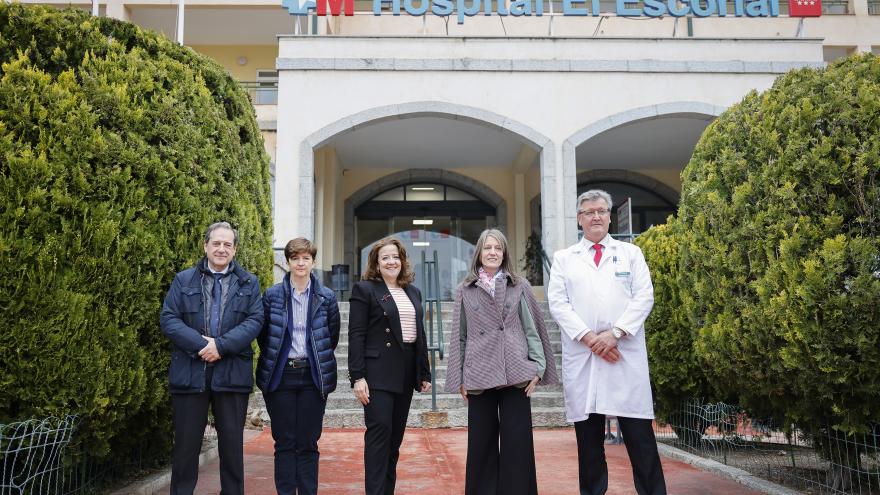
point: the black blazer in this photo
(375, 339)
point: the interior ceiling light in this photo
(421, 243)
(423, 222)
(422, 188)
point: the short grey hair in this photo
(221, 225)
(594, 194)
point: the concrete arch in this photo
(629, 177)
(570, 145)
(441, 109)
(432, 175)
(626, 176)
(677, 108)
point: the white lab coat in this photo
(617, 293)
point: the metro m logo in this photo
(303, 7)
(334, 6)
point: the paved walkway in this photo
(432, 463)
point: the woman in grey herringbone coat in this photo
(498, 353)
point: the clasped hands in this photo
(603, 345)
(209, 353)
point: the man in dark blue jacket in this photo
(212, 313)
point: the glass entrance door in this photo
(445, 236)
(447, 221)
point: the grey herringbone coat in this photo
(488, 347)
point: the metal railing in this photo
(32, 454)
(261, 92)
(433, 317)
(42, 456)
(545, 261)
(829, 462)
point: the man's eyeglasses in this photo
(591, 213)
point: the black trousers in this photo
(385, 417)
(296, 409)
(641, 446)
(190, 416)
(506, 467)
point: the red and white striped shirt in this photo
(407, 313)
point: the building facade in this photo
(433, 128)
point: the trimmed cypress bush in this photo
(677, 374)
(780, 265)
(117, 149)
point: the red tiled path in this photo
(432, 463)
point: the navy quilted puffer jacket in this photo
(322, 334)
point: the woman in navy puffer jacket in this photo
(297, 367)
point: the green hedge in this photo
(118, 148)
(677, 373)
(780, 251)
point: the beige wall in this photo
(329, 208)
(258, 57)
(670, 177)
(270, 139)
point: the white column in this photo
(180, 23)
(290, 152)
(331, 246)
(860, 8)
(519, 218)
(320, 186)
(554, 235)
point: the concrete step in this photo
(342, 384)
(440, 370)
(342, 348)
(553, 331)
(446, 308)
(343, 398)
(354, 418)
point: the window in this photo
(266, 90)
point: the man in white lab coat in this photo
(600, 294)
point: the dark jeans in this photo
(296, 409)
(190, 415)
(508, 467)
(641, 446)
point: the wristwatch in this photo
(618, 333)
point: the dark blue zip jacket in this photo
(183, 322)
(322, 335)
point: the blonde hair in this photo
(476, 263)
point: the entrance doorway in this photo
(425, 217)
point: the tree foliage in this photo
(117, 149)
(677, 373)
(533, 259)
(779, 248)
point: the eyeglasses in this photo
(591, 213)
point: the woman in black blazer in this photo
(387, 357)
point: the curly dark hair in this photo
(406, 275)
